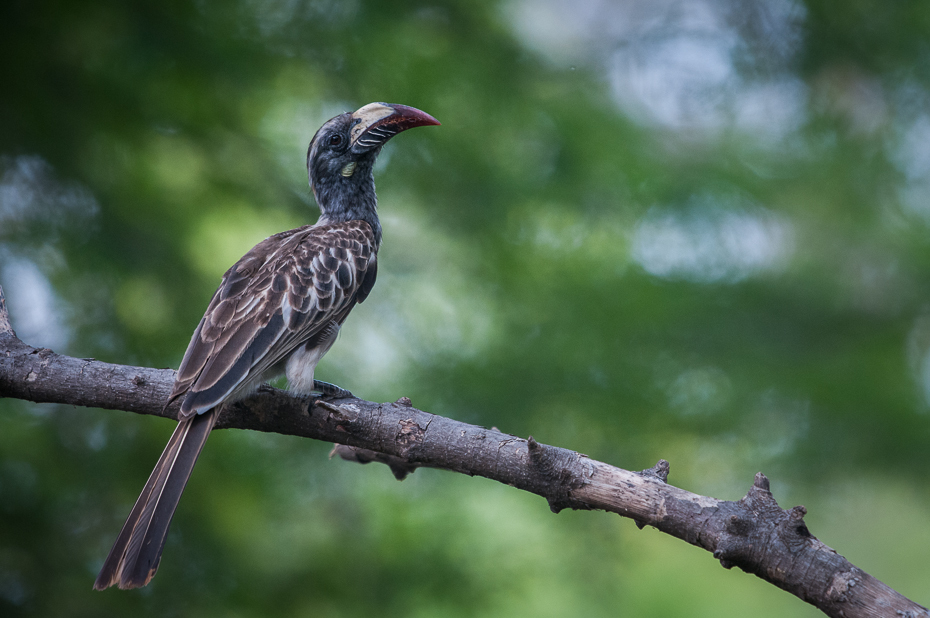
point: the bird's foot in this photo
(331, 391)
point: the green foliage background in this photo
(688, 230)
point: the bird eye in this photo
(335, 140)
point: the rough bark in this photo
(753, 533)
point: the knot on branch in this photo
(552, 465)
(658, 471)
(755, 523)
(409, 436)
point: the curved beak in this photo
(376, 123)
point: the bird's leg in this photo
(331, 390)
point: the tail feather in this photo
(113, 565)
(133, 567)
(135, 555)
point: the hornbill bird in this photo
(278, 310)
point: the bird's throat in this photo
(353, 199)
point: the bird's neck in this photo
(351, 202)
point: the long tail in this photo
(135, 555)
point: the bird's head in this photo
(343, 152)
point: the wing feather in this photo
(281, 294)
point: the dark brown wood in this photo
(753, 533)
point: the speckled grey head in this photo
(343, 152)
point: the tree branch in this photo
(753, 533)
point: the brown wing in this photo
(279, 295)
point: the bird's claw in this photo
(331, 391)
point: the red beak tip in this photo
(421, 118)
